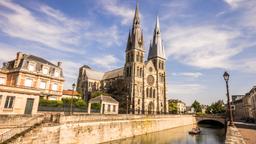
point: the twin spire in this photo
(156, 48)
(135, 38)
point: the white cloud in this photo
(70, 70)
(51, 29)
(103, 37)
(247, 11)
(204, 46)
(107, 61)
(233, 3)
(7, 52)
(116, 9)
(188, 74)
(247, 65)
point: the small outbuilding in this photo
(108, 105)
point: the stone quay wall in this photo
(13, 120)
(89, 129)
(233, 136)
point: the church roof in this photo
(156, 47)
(113, 73)
(102, 98)
(95, 75)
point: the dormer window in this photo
(56, 73)
(45, 70)
(31, 66)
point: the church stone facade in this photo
(144, 81)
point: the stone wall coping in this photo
(98, 117)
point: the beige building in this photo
(245, 106)
(181, 106)
(108, 105)
(144, 80)
(70, 94)
(253, 98)
(24, 79)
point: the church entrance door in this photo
(151, 108)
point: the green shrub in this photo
(95, 106)
(80, 103)
(50, 103)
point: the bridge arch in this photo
(211, 122)
(215, 121)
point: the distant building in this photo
(253, 95)
(245, 106)
(69, 93)
(190, 110)
(181, 106)
(204, 107)
(24, 79)
(238, 111)
(236, 97)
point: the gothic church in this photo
(144, 81)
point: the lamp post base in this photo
(231, 124)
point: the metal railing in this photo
(21, 128)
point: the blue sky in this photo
(202, 39)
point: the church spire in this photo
(136, 36)
(156, 48)
(136, 19)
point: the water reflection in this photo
(209, 135)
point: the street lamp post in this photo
(226, 78)
(71, 104)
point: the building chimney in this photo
(59, 64)
(19, 56)
(5, 64)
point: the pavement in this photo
(248, 131)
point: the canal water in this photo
(209, 135)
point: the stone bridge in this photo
(214, 118)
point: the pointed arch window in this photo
(159, 65)
(138, 71)
(128, 57)
(147, 92)
(141, 57)
(154, 93)
(141, 72)
(132, 57)
(150, 94)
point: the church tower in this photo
(157, 56)
(134, 65)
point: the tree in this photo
(216, 108)
(197, 106)
(173, 107)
